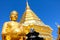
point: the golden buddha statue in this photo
(11, 30)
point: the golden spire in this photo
(27, 6)
(29, 17)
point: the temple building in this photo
(58, 32)
(31, 20)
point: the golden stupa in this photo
(30, 20)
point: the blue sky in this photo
(47, 10)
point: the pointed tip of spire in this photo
(27, 5)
